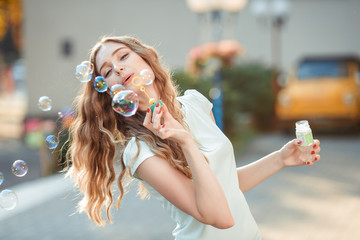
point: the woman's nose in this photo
(119, 70)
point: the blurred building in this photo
(59, 34)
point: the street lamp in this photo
(215, 9)
(277, 11)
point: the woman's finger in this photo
(147, 122)
(166, 114)
(157, 120)
(156, 110)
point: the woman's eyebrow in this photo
(114, 52)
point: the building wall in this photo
(314, 27)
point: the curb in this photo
(33, 193)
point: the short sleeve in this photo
(130, 152)
(200, 100)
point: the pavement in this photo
(320, 202)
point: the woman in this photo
(176, 151)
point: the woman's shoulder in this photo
(135, 152)
(194, 98)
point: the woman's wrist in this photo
(187, 142)
(279, 161)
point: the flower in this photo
(199, 56)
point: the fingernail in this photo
(163, 126)
(312, 152)
(148, 110)
(314, 146)
(315, 159)
(299, 142)
(158, 104)
(159, 111)
(307, 163)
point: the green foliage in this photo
(248, 99)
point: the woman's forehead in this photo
(105, 51)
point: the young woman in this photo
(177, 152)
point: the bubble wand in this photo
(137, 82)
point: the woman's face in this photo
(118, 64)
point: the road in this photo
(309, 202)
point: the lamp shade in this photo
(198, 6)
(233, 5)
(279, 8)
(259, 8)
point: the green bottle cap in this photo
(152, 107)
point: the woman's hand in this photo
(162, 124)
(291, 155)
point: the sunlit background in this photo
(264, 64)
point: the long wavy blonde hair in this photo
(98, 135)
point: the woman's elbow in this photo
(224, 223)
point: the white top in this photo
(219, 151)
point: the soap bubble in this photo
(214, 93)
(115, 89)
(125, 103)
(60, 114)
(19, 168)
(84, 71)
(51, 141)
(1, 178)
(45, 103)
(100, 84)
(146, 76)
(8, 199)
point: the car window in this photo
(319, 69)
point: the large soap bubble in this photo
(19, 168)
(115, 89)
(45, 103)
(84, 71)
(100, 84)
(8, 199)
(125, 103)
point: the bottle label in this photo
(306, 138)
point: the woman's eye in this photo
(107, 73)
(124, 56)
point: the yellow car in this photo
(323, 90)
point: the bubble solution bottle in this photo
(303, 133)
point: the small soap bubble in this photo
(45, 103)
(100, 84)
(147, 77)
(84, 71)
(214, 93)
(125, 103)
(51, 141)
(1, 178)
(115, 89)
(60, 114)
(19, 168)
(8, 199)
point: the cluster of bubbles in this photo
(124, 101)
(8, 198)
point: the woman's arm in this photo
(254, 173)
(202, 197)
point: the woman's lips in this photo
(126, 78)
